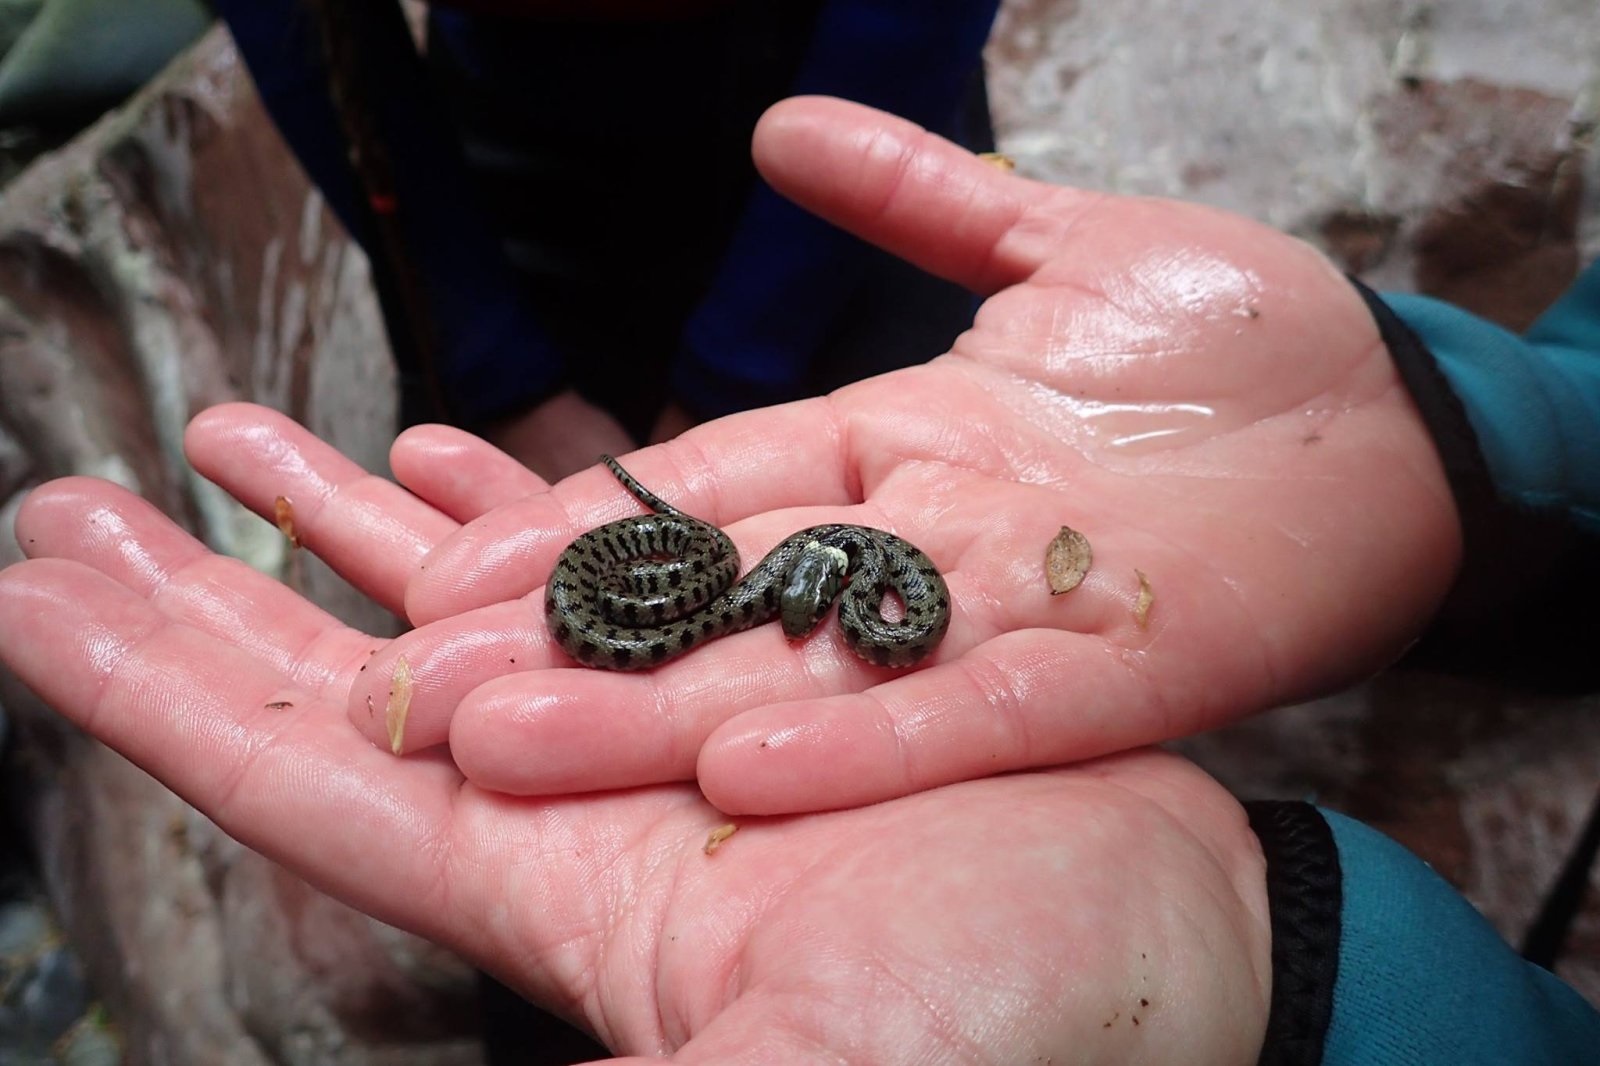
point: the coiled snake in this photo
(637, 592)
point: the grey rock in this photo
(170, 258)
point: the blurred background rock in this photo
(171, 256)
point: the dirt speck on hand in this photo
(283, 511)
(1141, 606)
(399, 704)
(715, 838)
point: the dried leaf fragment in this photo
(283, 511)
(399, 705)
(715, 838)
(1141, 606)
(1067, 560)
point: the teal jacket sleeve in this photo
(1516, 419)
(1377, 961)
(1533, 400)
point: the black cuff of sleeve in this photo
(1438, 404)
(1512, 613)
(1305, 897)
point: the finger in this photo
(552, 731)
(837, 451)
(404, 696)
(266, 760)
(371, 531)
(912, 193)
(459, 474)
(560, 731)
(998, 708)
(561, 436)
(721, 472)
(109, 529)
(672, 421)
(446, 660)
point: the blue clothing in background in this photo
(579, 201)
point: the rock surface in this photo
(171, 258)
(174, 257)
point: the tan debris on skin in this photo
(1067, 560)
(715, 838)
(998, 159)
(283, 511)
(394, 714)
(1141, 606)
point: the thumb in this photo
(912, 193)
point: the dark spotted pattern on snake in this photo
(640, 591)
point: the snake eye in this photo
(814, 582)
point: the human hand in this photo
(560, 436)
(1205, 398)
(1111, 912)
(672, 421)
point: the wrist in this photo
(560, 436)
(1511, 611)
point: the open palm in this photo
(1110, 912)
(1205, 399)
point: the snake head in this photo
(814, 583)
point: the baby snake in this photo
(637, 592)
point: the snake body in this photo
(638, 592)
